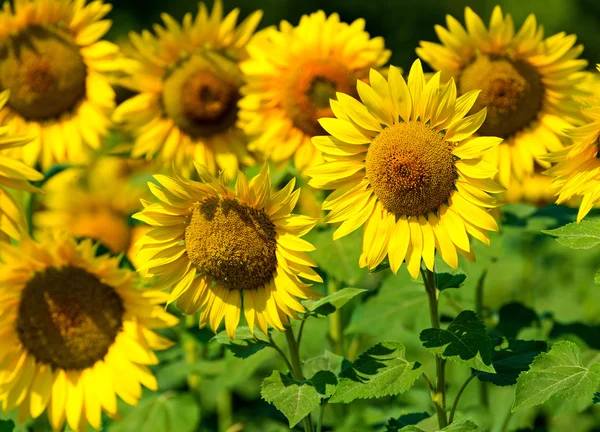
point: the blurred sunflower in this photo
(591, 86)
(223, 250)
(577, 172)
(529, 84)
(14, 175)
(188, 81)
(292, 72)
(53, 65)
(85, 202)
(75, 332)
(534, 189)
(403, 163)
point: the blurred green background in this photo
(403, 23)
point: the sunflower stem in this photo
(479, 309)
(297, 368)
(335, 321)
(439, 395)
(224, 410)
(281, 353)
(321, 415)
(458, 395)
(190, 347)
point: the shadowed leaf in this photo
(245, 343)
(465, 341)
(394, 425)
(590, 334)
(381, 371)
(513, 317)
(511, 361)
(445, 281)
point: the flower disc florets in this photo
(232, 243)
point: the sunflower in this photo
(53, 64)
(404, 164)
(84, 202)
(292, 72)
(591, 86)
(223, 250)
(188, 81)
(14, 175)
(529, 84)
(577, 172)
(535, 189)
(75, 332)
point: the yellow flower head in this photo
(591, 85)
(76, 333)
(95, 201)
(13, 175)
(535, 189)
(292, 73)
(404, 164)
(188, 81)
(577, 172)
(223, 250)
(527, 83)
(53, 65)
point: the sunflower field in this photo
(274, 215)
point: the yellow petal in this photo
(415, 250)
(428, 243)
(398, 244)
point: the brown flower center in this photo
(44, 71)
(201, 95)
(309, 88)
(510, 89)
(232, 243)
(68, 318)
(411, 169)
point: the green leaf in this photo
(597, 278)
(465, 341)
(324, 383)
(7, 426)
(558, 372)
(297, 399)
(459, 426)
(381, 371)
(245, 343)
(596, 399)
(394, 425)
(327, 361)
(513, 317)
(338, 258)
(164, 412)
(447, 280)
(511, 361)
(336, 300)
(582, 235)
